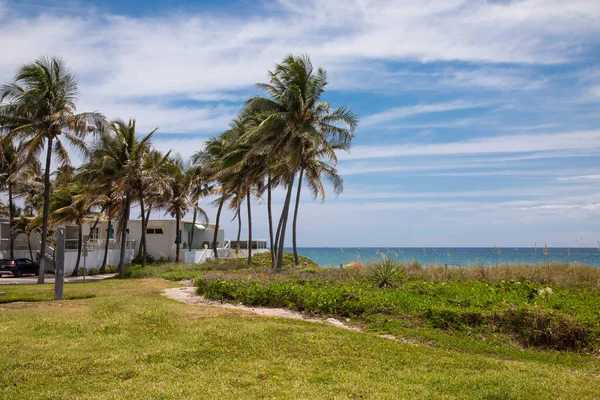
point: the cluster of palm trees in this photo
(288, 136)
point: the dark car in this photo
(19, 266)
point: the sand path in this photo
(188, 295)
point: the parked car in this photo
(19, 266)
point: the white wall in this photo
(94, 259)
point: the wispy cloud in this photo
(580, 178)
(407, 111)
(580, 140)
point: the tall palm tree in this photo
(23, 226)
(117, 156)
(313, 169)
(29, 181)
(212, 159)
(197, 188)
(68, 204)
(153, 181)
(177, 202)
(8, 169)
(293, 120)
(40, 111)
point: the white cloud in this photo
(196, 55)
(559, 207)
(579, 178)
(579, 140)
(402, 112)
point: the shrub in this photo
(386, 273)
(93, 271)
(263, 260)
(110, 269)
(538, 327)
(136, 271)
(138, 259)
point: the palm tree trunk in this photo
(104, 259)
(46, 211)
(284, 218)
(177, 236)
(249, 227)
(239, 234)
(124, 238)
(79, 247)
(29, 246)
(11, 218)
(270, 212)
(278, 234)
(193, 227)
(295, 221)
(214, 243)
(142, 248)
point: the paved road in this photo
(32, 279)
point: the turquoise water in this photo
(457, 256)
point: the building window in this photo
(154, 231)
(94, 234)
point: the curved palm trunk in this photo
(239, 234)
(124, 238)
(79, 247)
(249, 227)
(295, 221)
(270, 212)
(278, 234)
(142, 248)
(29, 246)
(104, 259)
(215, 236)
(193, 227)
(45, 211)
(177, 236)
(11, 218)
(283, 221)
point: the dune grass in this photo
(129, 342)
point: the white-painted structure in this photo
(161, 238)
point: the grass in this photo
(178, 271)
(129, 342)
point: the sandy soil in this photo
(187, 295)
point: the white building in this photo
(160, 238)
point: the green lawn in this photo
(129, 342)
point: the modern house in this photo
(161, 240)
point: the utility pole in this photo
(59, 273)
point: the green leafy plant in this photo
(386, 274)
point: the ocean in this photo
(452, 256)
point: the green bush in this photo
(263, 260)
(386, 274)
(93, 271)
(502, 307)
(138, 259)
(136, 271)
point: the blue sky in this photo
(480, 120)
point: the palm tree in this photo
(197, 188)
(294, 120)
(69, 204)
(212, 159)
(117, 156)
(8, 169)
(314, 170)
(29, 182)
(24, 226)
(177, 202)
(153, 182)
(41, 112)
